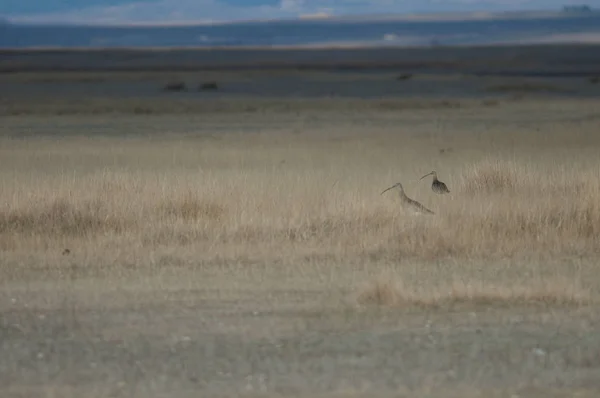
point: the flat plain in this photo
(223, 233)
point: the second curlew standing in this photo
(437, 186)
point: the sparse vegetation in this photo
(208, 86)
(389, 291)
(528, 87)
(161, 106)
(404, 76)
(175, 86)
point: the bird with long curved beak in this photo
(407, 202)
(437, 186)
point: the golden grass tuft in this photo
(61, 217)
(389, 291)
(490, 176)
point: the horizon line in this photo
(321, 17)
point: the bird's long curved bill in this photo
(425, 176)
(385, 190)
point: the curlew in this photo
(407, 202)
(437, 186)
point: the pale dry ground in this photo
(253, 254)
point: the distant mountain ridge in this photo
(565, 12)
(390, 30)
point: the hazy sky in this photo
(164, 11)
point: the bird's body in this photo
(437, 186)
(407, 202)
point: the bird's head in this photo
(432, 173)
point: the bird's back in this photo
(417, 206)
(439, 187)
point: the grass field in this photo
(239, 244)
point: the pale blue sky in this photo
(164, 11)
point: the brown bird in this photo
(407, 202)
(437, 186)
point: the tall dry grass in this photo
(298, 198)
(498, 208)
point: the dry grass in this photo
(191, 208)
(491, 176)
(391, 291)
(61, 218)
(318, 203)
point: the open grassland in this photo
(247, 250)
(286, 186)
